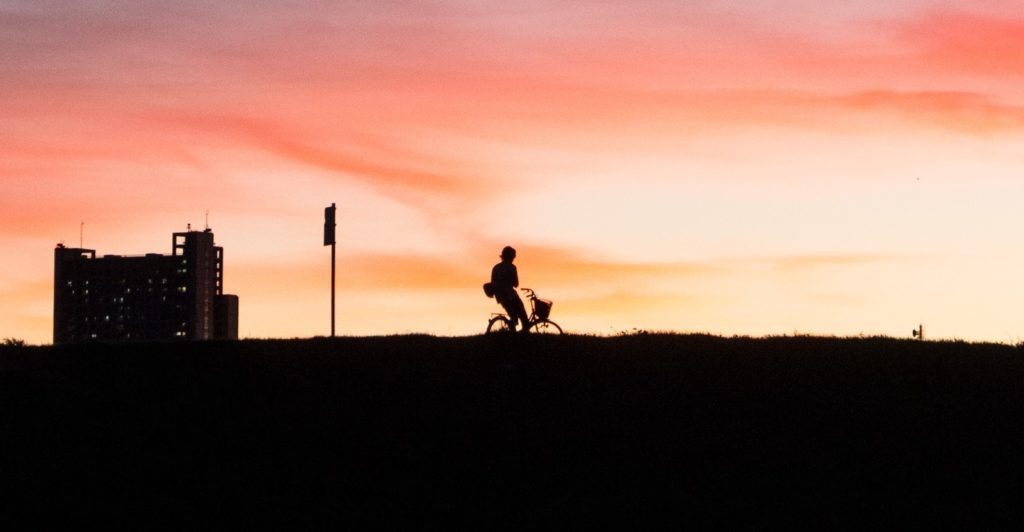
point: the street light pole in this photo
(329, 239)
(333, 263)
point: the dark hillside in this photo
(513, 432)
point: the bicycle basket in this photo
(542, 308)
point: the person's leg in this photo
(512, 310)
(520, 309)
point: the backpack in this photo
(489, 289)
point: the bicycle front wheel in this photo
(546, 327)
(499, 324)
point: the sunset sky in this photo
(723, 166)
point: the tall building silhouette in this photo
(148, 297)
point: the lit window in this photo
(183, 289)
(69, 283)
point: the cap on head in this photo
(508, 252)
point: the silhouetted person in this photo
(505, 280)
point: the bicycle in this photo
(540, 309)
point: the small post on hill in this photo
(329, 240)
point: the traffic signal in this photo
(329, 225)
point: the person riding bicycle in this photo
(505, 280)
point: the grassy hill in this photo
(514, 432)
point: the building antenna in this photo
(81, 236)
(207, 219)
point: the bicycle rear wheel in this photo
(546, 327)
(499, 324)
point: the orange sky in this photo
(756, 167)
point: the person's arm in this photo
(515, 276)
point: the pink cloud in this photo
(961, 42)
